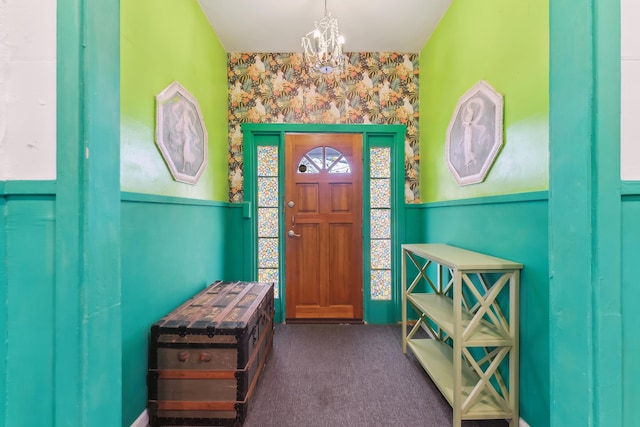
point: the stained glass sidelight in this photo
(268, 253)
(380, 219)
(380, 223)
(267, 161)
(381, 284)
(380, 254)
(267, 222)
(380, 161)
(269, 275)
(268, 230)
(268, 192)
(380, 192)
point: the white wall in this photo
(630, 117)
(27, 89)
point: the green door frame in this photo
(392, 136)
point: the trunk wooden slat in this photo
(205, 356)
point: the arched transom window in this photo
(325, 159)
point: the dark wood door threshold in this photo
(325, 321)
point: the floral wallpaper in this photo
(376, 87)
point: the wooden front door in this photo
(323, 222)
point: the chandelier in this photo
(323, 46)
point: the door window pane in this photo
(323, 158)
(331, 155)
(341, 165)
(307, 166)
(315, 156)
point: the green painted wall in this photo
(175, 243)
(505, 43)
(171, 249)
(164, 261)
(514, 228)
(27, 285)
(630, 314)
(163, 41)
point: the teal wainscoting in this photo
(171, 249)
(513, 227)
(630, 314)
(27, 284)
(3, 298)
(413, 229)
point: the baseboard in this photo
(143, 420)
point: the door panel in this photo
(340, 277)
(323, 264)
(308, 248)
(307, 197)
(340, 197)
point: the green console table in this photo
(467, 303)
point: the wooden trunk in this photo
(205, 357)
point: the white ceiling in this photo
(367, 25)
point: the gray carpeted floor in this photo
(328, 375)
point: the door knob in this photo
(291, 204)
(292, 233)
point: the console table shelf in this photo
(436, 358)
(473, 339)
